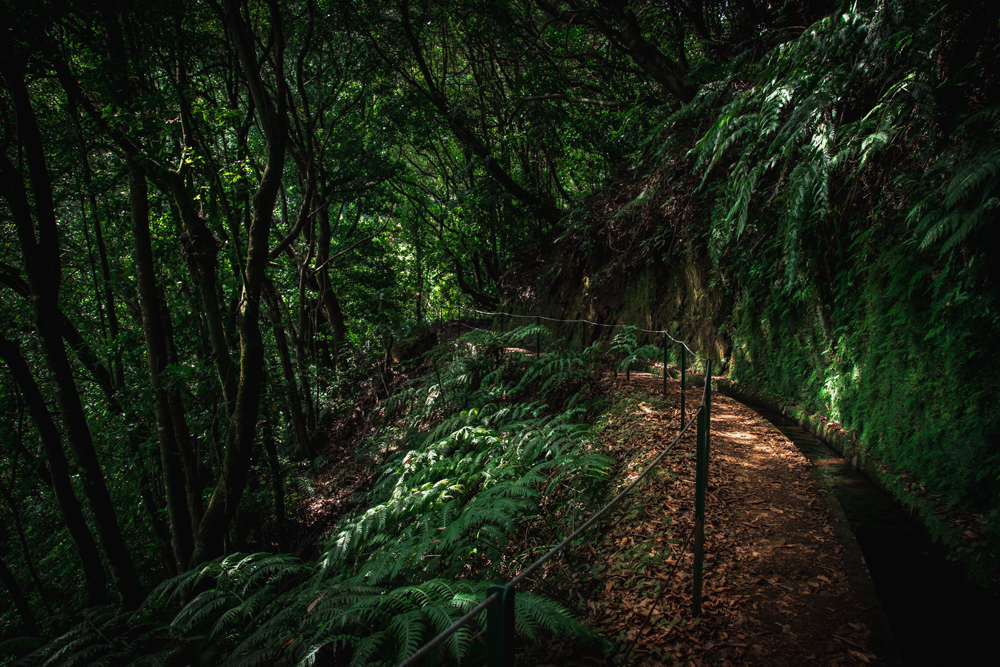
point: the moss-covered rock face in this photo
(899, 352)
(907, 367)
(677, 297)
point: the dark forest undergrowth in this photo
(432, 503)
(225, 226)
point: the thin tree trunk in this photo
(331, 305)
(185, 441)
(294, 404)
(181, 536)
(277, 486)
(20, 600)
(95, 581)
(108, 297)
(42, 263)
(136, 432)
(304, 334)
(93, 272)
(19, 529)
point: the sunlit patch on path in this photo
(778, 590)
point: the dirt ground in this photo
(784, 581)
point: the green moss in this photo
(903, 361)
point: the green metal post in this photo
(500, 628)
(699, 514)
(701, 488)
(538, 341)
(683, 382)
(665, 367)
(708, 416)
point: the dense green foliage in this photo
(223, 220)
(872, 296)
(451, 487)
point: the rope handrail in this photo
(596, 324)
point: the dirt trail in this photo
(784, 581)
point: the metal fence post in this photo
(538, 341)
(665, 369)
(683, 382)
(701, 488)
(699, 514)
(708, 416)
(500, 628)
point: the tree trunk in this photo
(277, 486)
(20, 600)
(225, 500)
(185, 441)
(303, 334)
(328, 299)
(117, 366)
(136, 430)
(181, 537)
(662, 69)
(294, 404)
(200, 249)
(41, 260)
(58, 473)
(28, 560)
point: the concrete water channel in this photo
(935, 614)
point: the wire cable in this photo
(528, 571)
(596, 324)
(437, 641)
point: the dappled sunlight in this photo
(771, 557)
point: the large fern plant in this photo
(452, 485)
(791, 128)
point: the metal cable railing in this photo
(429, 647)
(499, 603)
(596, 324)
(685, 348)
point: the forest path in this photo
(784, 580)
